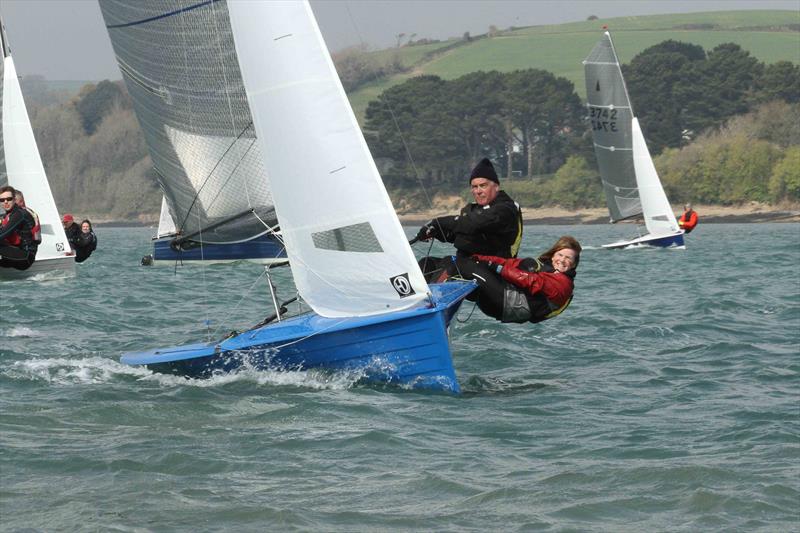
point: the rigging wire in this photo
(406, 149)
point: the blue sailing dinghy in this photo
(372, 311)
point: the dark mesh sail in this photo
(610, 114)
(178, 61)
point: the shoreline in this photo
(708, 214)
(556, 216)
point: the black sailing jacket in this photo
(493, 229)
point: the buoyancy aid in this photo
(36, 231)
(16, 229)
(493, 229)
(688, 221)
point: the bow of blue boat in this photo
(409, 346)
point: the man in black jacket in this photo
(17, 245)
(71, 229)
(492, 225)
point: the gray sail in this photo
(611, 115)
(179, 65)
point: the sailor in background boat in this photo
(17, 246)
(688, 219)
(85, 243)
(71, 229)
(19, 199)
(492, 225)
(525, 290)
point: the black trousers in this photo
(491, 287)
(13, 257)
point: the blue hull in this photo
(668, 241)
(409, 348)
(265, 247)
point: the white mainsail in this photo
(348, 253)
(24, 166)
(658, 215)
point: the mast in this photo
(619, 68)
(4, 39)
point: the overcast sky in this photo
(66, 39)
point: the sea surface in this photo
(666, 398)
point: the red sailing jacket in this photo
(557, 287)
(687, 223)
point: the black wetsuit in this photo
(73, 231)
(85, 244)
(493, 229)
(17, 246)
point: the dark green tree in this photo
(544, 112)
(718, 88)
(96, 101)
(780, 81)
(653, 79)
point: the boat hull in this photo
(265, 249)
(409, 348)
(660, 241)
(49, 268)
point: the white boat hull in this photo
(46, 268)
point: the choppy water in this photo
(666, 398)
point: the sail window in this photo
(353, 238)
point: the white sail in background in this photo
(348, 253)
(658, 215)
(24, 166)
(166, 226)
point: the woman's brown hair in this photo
(564, 242)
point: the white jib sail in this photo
(166, 226)
(348, 253)
(25, 169)
(658, 215)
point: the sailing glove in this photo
(424, 232)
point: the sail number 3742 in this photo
(603, 119)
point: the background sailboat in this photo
(21, 167)
(265, 249)
(630, 180)
(350, 258)
(187, 92)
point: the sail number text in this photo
(603, 119)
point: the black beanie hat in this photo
(484, 169)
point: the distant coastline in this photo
(709, 214)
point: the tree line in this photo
(95, 155)
(532, 123)
(727, 128)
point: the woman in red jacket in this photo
(525, 290)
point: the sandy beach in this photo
(709, 214)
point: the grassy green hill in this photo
(769, 36)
